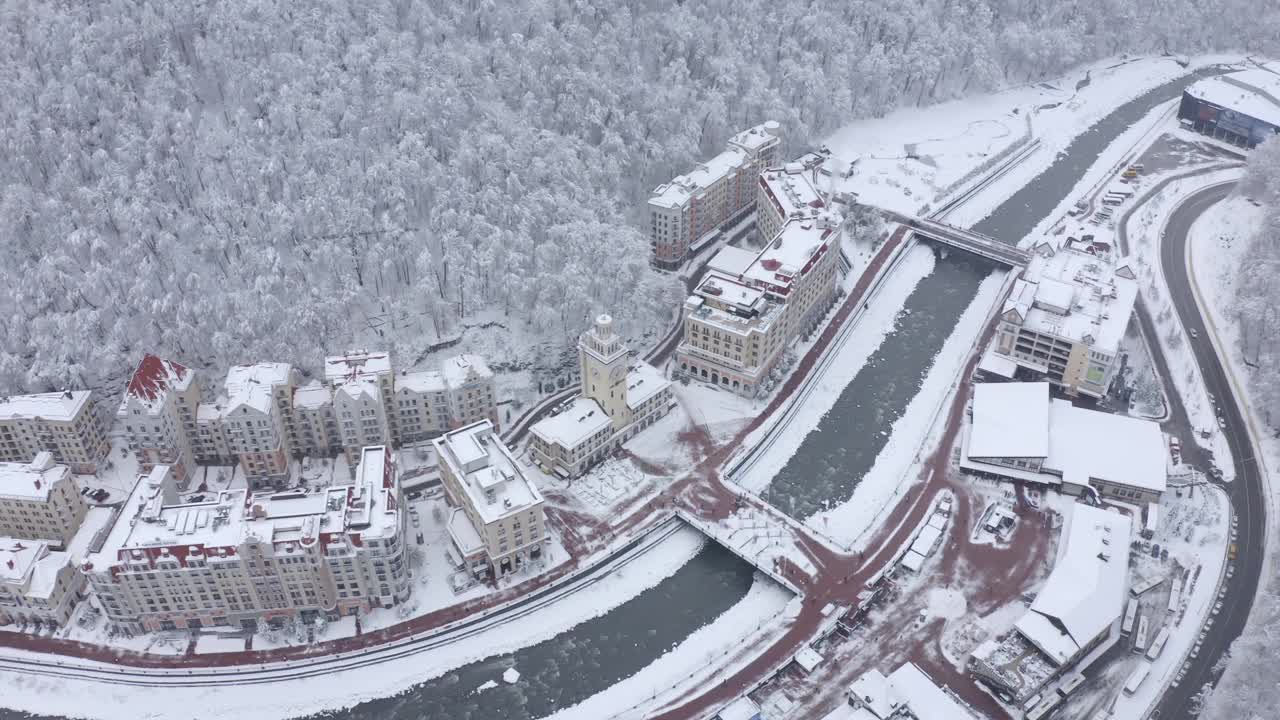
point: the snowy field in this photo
(948, 141)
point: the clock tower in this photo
(603, 361)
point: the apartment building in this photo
(244, 558)
(38, 586)
(784, 193)
(212, 447)
(619, 399)
(360, 380)
(257, 421)
(690, 207)
(1065, 318)
(39, 500)
(158, 412)
(315, 427)
(431, 402)
(63, 423)
(496, 524)
(749, 308)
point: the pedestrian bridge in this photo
(765, 537)
(962, 239)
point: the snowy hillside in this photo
(227, 182)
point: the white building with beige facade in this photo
(158, 412)
(39, 500)
(1065, 318)
(620, 397)
(496, 524)
(38, 586)
(784, 193)
(256, 420)
(242, 557)
(63, 423)
(749, 308)
(692, 206)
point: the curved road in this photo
(1248, 499)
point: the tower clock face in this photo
(617, 373)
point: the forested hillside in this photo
(231, 181)
(1244, 692)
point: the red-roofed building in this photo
(159, 415)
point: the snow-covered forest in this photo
(229, 182)
(1244, 692)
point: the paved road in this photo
(1247, 493)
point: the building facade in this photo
(746, 312)
(497, 524)
(257, 421)
(159, 412)
(63, 423)
(691, 206)
(39, 500)
(620, 397)
(1065, 318)
(244, 558)
(315, 427)
(784, 193)
(1241, 107)
(37, 586)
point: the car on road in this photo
(1222, 422)
(1192, 332)
(1231, 551)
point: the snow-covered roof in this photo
(729, 291)
(153, 379)
(464, 533)
(1254, 92)
(643, 382)
(732, 261)
(463, 369)
(997, 364)
(207, 412)
(154, 526)
(312, 396)
(253, 385)
(789, 190)
(340, 368)
(1086, 591)
(758, 137)
(422, 381)
(362, 386)
(1078, 445)
(683, 187)
(18, 558)
(907, 689)
(572, 426)
(62, 406)
(1010, 420)
(494, 482)
(1097, 300)
(1090, 445)
(788, 254)
(31, 480)
(744, 708)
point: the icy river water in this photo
(596, 654)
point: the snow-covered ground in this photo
(295, 697)
(948, 141)
(1143, 230)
